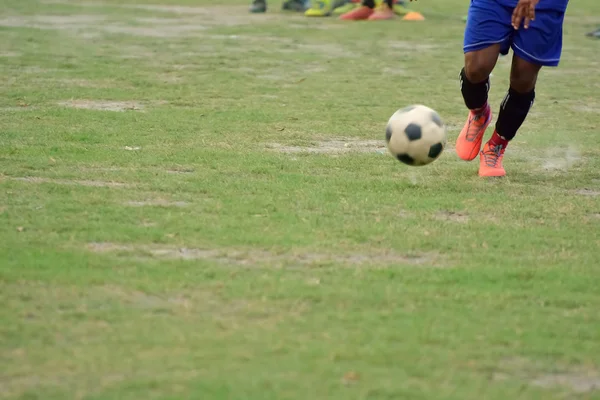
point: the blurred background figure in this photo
(325, 8)
(260, 6)
(375, 10)
(595, 34)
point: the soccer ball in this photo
(416, 135)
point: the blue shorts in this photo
(489, 22)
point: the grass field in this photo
(196, 202)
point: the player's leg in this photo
(538, 46)
(487, 35)
(513, 110)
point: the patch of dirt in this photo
(157, 203)
(214, 15)
(333, 146)
(85, 83)
(578, 383)
(329, 50)
(92, 25)
(148, 224)
(576, 380)
(169, 78)
(28, 108)
(182, 170)
(561, 159)
(394, 71)
(188, 22)
(312, 27)
(32, 179)
(406, 45)
(60, 22)
(181, 10)
(255, 257)
(162, 31)
(588, 192)
(273, 77)
(588, 108)
(269, 96)
(454, 216)
(37, 70)
(119, 106)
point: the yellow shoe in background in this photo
(320, 8)
(400, 10)
(343, 9)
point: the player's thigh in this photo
(541, 44)
(488, 33)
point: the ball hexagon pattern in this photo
(416, 135)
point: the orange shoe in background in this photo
(382, 13)
(361, 13)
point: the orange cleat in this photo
(360, 13)
(490, 161)
(382, 13)
(469, 141)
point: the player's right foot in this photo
(469, 140)
(362, 12)
(490, 161)
(258, 6)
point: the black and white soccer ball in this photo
(416, 135)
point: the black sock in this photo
(513, 111)
(369, 3)
(474, 94)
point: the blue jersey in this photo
(557, 5)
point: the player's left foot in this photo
(490, 161)
(469, 140)
(383, 12)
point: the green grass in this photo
(186, 248)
